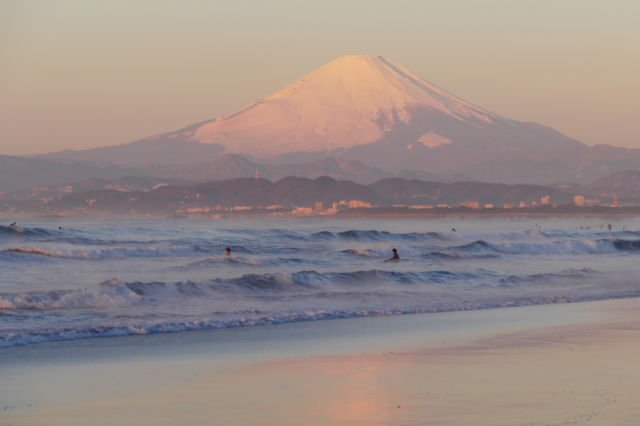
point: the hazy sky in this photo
(78, 74)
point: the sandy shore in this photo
(543, 365)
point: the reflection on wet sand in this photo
(580, 373)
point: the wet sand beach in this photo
(539, 365)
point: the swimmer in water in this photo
(227, 251)
(394, 256)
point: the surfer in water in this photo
(227, 251)
(394, 256)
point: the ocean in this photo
(79, 279)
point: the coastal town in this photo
(299, 197)
(342, 206)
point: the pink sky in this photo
(79, 74)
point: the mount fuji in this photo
(372, 110)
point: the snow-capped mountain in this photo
(372, 110)
(351, 101)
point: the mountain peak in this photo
(352, 100)
(375, 111)
(375, 84)
(346, 63)
(356, 59)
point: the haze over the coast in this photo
(80, 75)
(285, 212)
(364, 109)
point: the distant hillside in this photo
(45, 177)
(18, 173)
(291, 191)
(374, 111)
(624, 185)
(300, 192)
(160, 150)
(125, 183)
(403, 191)
(230, 166)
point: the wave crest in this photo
(375, 235)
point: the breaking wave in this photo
(118, 293)
(179, 279)
(625, 245)
(20, 231)
(359, 252)
(375, 235)
(604, 245)
(243, 262)
(36, 251)
(549, 277)
(116, 252)
(250, 318)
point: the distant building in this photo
(318, 206)
(116, 187)
(545, 200)
(471, 204)
(198, 210)
(340, 205)
(579, 200)
(489, 206)
(302, 211)
(357, 204)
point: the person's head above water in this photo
(395, 253)
(228, 251)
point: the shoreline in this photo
(117, 333)
(326, 327)
(453, 368)
(372, 212)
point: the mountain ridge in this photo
(291, 192)
(372, 110)
(159, 196)
(21, 173)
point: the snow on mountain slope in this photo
(373, 111)
(350, 101)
